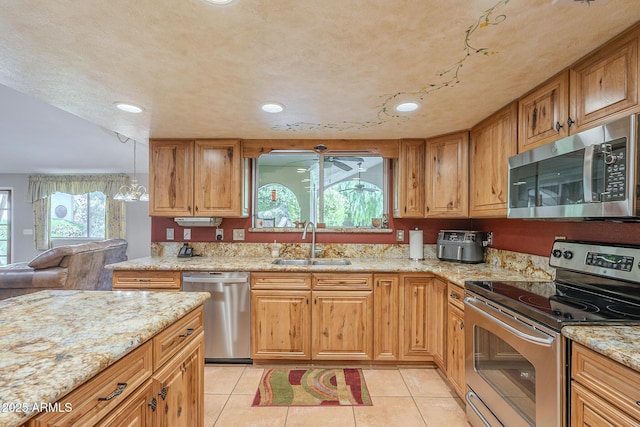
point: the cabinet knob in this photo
(570, 121)
(558, 126)
(461, 325)
(153, 404)
(163, 393)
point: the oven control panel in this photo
(607, 260)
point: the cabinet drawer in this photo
(609, 379)
(455, 295)
(168, 342)
(280, 281)
(342, 282)
(147, 280)
(95, 399)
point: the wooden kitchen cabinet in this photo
(130, 392)
(409, 181)
(385, 317)
(604, 84)
(280, 316)
(603, 391)
(492, 142)
(197, 178)
(447, 175)
(422, 312)
(543, 113)
(146, 280)
(455, 339)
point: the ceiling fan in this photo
(359, 187)
(339, 162)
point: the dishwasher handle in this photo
(214, 278)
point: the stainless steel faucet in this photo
(313, 237)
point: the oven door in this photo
(514, 368)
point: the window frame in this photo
(9, 210)
(67, 240)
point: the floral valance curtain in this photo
(43, 186)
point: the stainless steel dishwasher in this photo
(227, 314)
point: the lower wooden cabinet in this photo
(138, 390)
(603, 391)
(385, 317)
(146, 280)
(455, 339)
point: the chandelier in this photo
(133, 192)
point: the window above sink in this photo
(341, 192)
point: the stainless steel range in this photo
(515, 355)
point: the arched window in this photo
(277, 206)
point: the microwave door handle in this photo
(587, 173)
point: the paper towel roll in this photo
(416, 248)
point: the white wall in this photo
(22, 249)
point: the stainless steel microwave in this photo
(592, 174)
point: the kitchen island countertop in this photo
(53, 341)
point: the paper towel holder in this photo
(416, 246)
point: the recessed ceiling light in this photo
(406, 107)
(272, 107)
(129, 108)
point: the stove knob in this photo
(557, 253)
(567, 254)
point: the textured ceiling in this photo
(338, 66)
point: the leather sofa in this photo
(78, 266)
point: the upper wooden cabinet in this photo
(447, 175)
(197, 178)
(543, 113)
(409, 175)
(492, 142)
(605, 82)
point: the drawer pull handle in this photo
(186, 334)
(163, 393)
(116, 392)
(454, 295)
(144, 280)
(153, 404)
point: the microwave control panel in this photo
(615, 173)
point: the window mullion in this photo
(320, 217)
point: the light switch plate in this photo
(187, 234)
(238, 234)
(169, 233)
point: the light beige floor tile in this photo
(320, 416)
(221, 379)
(213, 405)
(385, 382)
(425, 383)
(238, 412)
(389, 411)
(248, 382)
(441, 412)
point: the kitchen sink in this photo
(298, 261)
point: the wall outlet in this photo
(399, 235)
(169, 233)
(238, 234)
(187, 234)
(219, 234)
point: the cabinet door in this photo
(543, 113)
(492, 142)
(448, 176)
(281, 325)
(415, 306)
(179, 387)
(409, 179)
(342, 325)
(385, 315)
(170, 178)
(455, 349)
(219, 180)
(605, 82)
(437, 322)
(588, 409)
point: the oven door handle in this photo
(495, 316)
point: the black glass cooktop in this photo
(557, 304)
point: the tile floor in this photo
(405, 397)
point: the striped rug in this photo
(312, 387)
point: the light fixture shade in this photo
(133, 192)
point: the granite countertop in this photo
(53, 341)
(617, 342)
(454, 272)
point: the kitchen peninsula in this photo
(95, 356)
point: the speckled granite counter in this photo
(53, 341)
(457, 273)
(620, 343)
